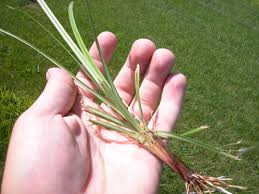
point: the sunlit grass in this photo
(201, 82)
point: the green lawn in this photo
(217, 47)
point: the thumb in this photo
(59, 94)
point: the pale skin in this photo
(54, 150)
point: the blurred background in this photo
(216, 43)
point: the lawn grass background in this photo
(216, 43)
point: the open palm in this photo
(54, 149)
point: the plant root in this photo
(199, 184)
(195, 183)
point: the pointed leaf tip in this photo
(10, 7)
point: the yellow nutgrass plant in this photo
(122, 120)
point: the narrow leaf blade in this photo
(110, 126)
(137, 80)
(103, 115)
(195, 130)
(194, 142)
(95, 73)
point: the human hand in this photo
(53, 149)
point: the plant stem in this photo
(156, 146)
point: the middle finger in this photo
(153, 82)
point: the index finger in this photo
(107, 41)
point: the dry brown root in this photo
(199, 184)
(195, 183)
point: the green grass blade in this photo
(106, 88)
(124, 111)
(104, 115)
(113, 96)
(97, 95)
(137, 80)
(75, 29)
(106, 71)
(194, 142)
(82, 46)
(44, 28)
(61, 30)
(88, 69)
(119, 105)
(195, 130)
(113, 127)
